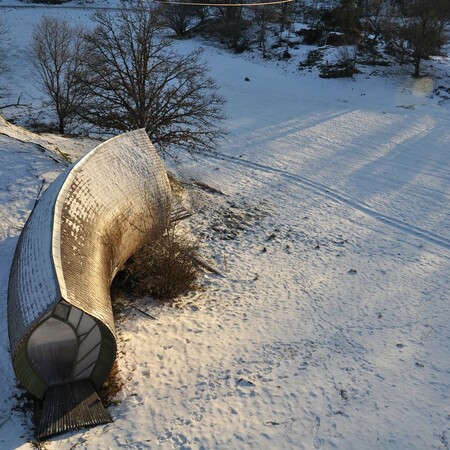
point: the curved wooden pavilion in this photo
(90, 220)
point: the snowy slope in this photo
(330, 329)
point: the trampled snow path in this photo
(324, 190)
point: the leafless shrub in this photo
(164, 261)
(343, 67)
(166, 267)
(111, 387)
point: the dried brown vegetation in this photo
(166, 267)
(111, 387)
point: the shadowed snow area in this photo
(331, 327)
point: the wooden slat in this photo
(71, 406)
(179, 213)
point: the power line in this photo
(222, 5)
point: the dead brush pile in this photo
(166, 267)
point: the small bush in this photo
(166, 267)
(370, 54)
(337, 71)
(344, 67)
(337, 40)
(313, 58)
(311, 36)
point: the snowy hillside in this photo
(331, 221)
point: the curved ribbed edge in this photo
(17, 308)
(22, 367)
(106, 357)
(59, 204)
(25, 372)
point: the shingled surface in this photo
(89, 221)
(70, 406)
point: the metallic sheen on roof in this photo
(90, 220)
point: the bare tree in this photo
(346, 18)
(179, 18)
(201, 12)
(372, 16)
(58, 55)
(231, 26)
(3, 38)
(286, 16)
(420, 32)
(311, 13)
(136, 80)
(263, 16)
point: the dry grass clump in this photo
(166, 267)
(111, 387)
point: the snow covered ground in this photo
(332, 225)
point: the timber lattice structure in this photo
(89, 221)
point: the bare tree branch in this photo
(418, 31)
(58, 55)
(136, 80)
(4, 30)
